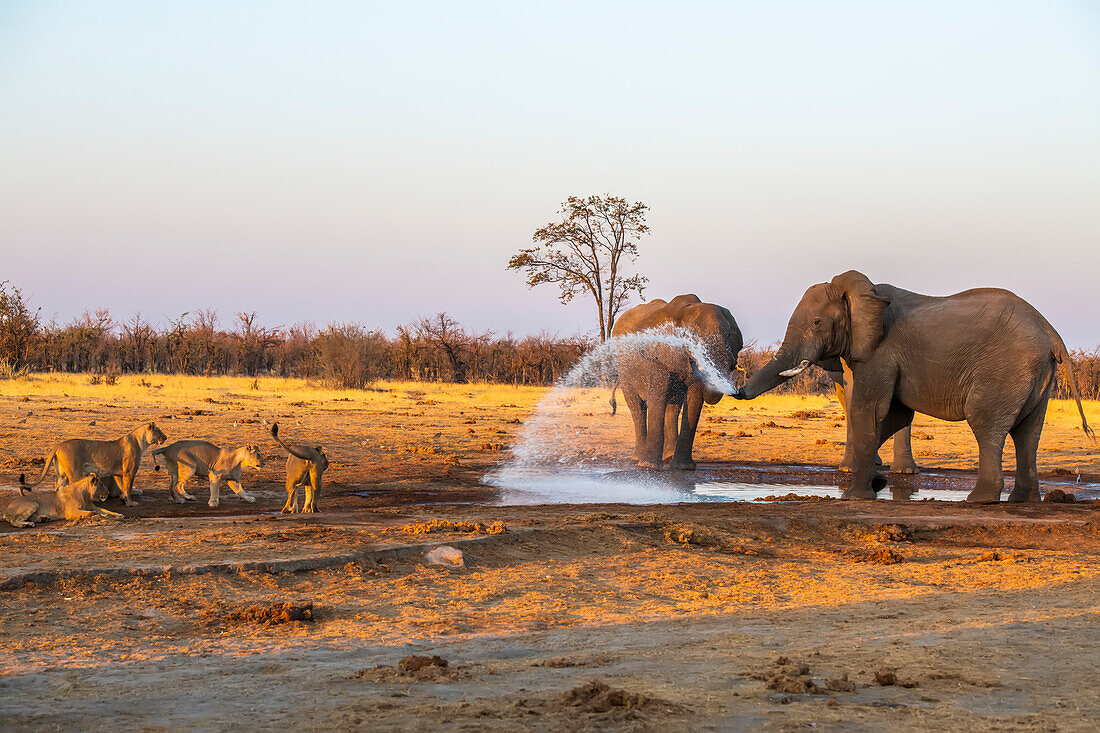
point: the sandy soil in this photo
(774, 616)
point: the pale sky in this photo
(378, 161)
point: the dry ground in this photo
(694, 616)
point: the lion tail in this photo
(24, 486)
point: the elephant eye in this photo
(817, 322)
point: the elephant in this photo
(984, 355)
(903, 462)
(659, 379)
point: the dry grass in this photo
(436, 425)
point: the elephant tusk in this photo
(796, 370)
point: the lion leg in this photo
(239, 491)
(128, 487)
(181, 484)
(114, 486)
(294, 475)
(22, 517)
(215, 491)
(105, 513)
(313, 493)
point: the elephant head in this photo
(842, 318)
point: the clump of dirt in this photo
(446, 525)
(789, 677)
(878, 533)
(806, 414)
(793, 497)
(268, 615)
(414, 663)
(427, 450)
(597, 696)
(840, 684)
(413, 668)
(882, 556)
(491, 446)
(686, 533)
(891, 533)
(1057, 496)
(886, 677)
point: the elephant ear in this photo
(867, 311)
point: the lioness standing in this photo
(187, 458)
(71, 501)
(302, 461)
(108, 459)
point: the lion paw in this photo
(212, 504)
(249, 498)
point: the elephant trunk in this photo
(783, 366)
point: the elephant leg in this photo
(990, 432)
(843, 396)
(864, 441)
(1025, 437)
(693, 407)
(672, 431)
(655, 429)
(638, 414)
(903, 452)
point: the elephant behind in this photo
(660, 380)
(985, 356)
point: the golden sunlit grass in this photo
(458, 419)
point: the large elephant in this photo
(660, 379)
(985, 356)
(903, 462)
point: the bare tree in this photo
(446, 333)
(18, 326)
(585, 251)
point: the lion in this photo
(74, 500)
(303, 460)
(108, 459)
(187, 458)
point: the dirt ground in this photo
(774, 616)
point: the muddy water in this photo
(729, 482)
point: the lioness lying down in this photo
(116, 462)
(71, 501)
(303, 461)
(187, 458)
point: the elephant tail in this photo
(614, 404)
(1061, 355)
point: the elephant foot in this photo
(983, 496)
(863, 493)
(652, 465)
(878, 483)
(907, 467)
(1021, 495)
(682, 465)
(844, 468)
